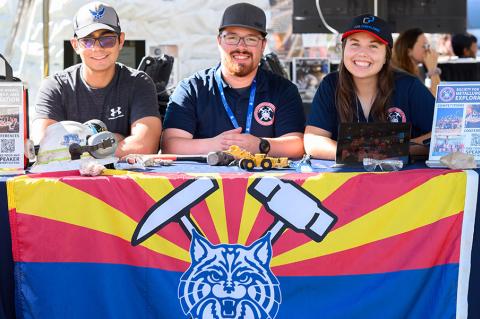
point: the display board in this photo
(456, 121)
(13, 123)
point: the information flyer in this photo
(12, 125)
(456, 122)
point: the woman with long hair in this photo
(366, 89)
(411, 49)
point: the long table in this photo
(100, 241)
(460, 70)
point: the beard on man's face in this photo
(239, 68)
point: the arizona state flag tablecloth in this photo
(330, 245)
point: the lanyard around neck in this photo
(251, 100)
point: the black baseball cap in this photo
(244, 15)
(376, 26)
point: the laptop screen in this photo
(357, 141)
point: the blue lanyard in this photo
(251, 100)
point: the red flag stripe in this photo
(234, 191)
(434, 244)
(350, 201)
(45, 240)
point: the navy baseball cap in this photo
(95, 16)
(377, 27)
(244, 15)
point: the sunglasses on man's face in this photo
(106, 41)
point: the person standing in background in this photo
(411, 49)
(465, 45)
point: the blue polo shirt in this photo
(196, 106)
(411, 102)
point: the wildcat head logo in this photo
(229, 281)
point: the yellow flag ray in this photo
(251, 209)
(438, 198)
(156, 187)
(12, 204)
(215, 202)
(115, 172)
(55, 200)
(216, 206)
(330, 182)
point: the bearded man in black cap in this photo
(236, 102)
(100, 88)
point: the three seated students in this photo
(235, 102)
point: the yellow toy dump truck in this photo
(249, 161)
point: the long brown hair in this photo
(405, 42)
(345, 92)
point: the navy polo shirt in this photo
(411, 102)
(196, 106)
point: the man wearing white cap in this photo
(100, 88)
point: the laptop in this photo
(456, 122)
(357, 141)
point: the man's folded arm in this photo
(144, 137)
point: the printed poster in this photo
(456, 122)
(11, 125)
(307, 75)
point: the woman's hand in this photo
(431, 60)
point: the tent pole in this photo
(46, 29)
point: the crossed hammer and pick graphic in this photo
(291, 206)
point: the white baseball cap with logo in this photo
(95, 16)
